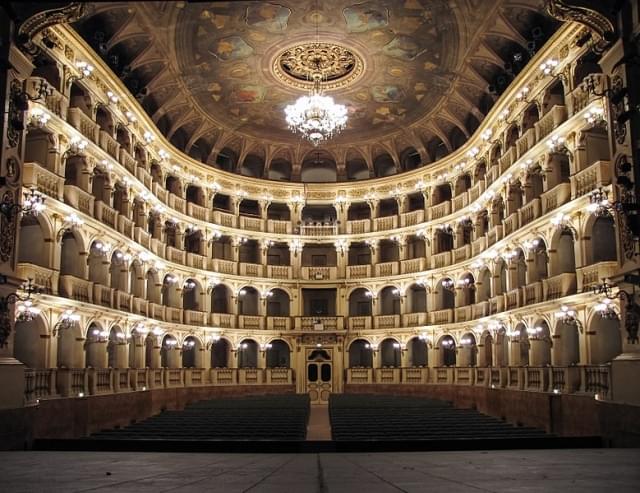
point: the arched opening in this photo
(191, 352)
(280, 169)
(253, 165)
(519, 264)
(359, 254)
(357, 168)
(193, 241)
(389, 299)
(169, 354)
(447, 351)
(383, 165)
(468, 350)
(123, 138)
(540, 344)
(95, 346)
(73, 167)
(467, 290)
(250, 208)
(116, 348)
(530, 117)
(390, 353)
(101, 187)
(410, 159)
(220, 299)
(278, 303)
(31, 342)
(388, 251)
(249, 252)
(603, 251)
(192, 295)
(174, 185)
(171, 292)
(248, 354)
(278, 212)
(605, 339)
(70, 352)
(360, 303)
(104, 119)
(566, 344)
(463, 183)
(418, 352)
(220, 352)
(222, 248)
(417, 299)
(79, 98)
(539, 269)
(358, 211)
(502, 348)
(415, 247)
(565, 260)
(151, 352)
(585, 66)
(319, 167)
(360, 354)
(441, 193)
(171, 231)
(227, 159)
(153, 287)
(480, 171)
(98, 264)
(195, 195)
(483, 286)
(119, 271)
(136, 279)
(248, 301)
(31, 241)
(445, 294)
(278, 354)
(500, 283)
(485, 353)
(278, 254)
(520, 346)
(442, 239)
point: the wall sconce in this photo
(466, 341)
(535, 333)
(112, 97)
(26, 312)
(560, 220)
(631, 308)
(448, 284)
(148, 137)
(211, 340)
(486, 135)
(164, 155)
(473, 152)
(101, 336)
(212, 282)
(170, 343)
(447, 343)
(33, 204)
(606, 309)
(131, 118)
(595, 116)
(567, 316)
(549, 66)
(77, 145)
(102, 248)
(188, 345)
(84, 69)
(523, 94)
(189, 285)
(67, 321)
(424, 337)
(39, 118)
(264, 347)
(421, 185)
(556, 143)
(373, 347)
(157, 331)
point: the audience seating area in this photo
(357, 417)
(273, 417)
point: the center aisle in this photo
(319, 427)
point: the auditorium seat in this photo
(273, 417)
(357, 417)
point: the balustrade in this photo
(358, 271)
(35, 176)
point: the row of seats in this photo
(273, 417)
(357, 417)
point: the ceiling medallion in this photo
(337, 65)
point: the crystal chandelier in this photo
(316, 117)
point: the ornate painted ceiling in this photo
(417, 74)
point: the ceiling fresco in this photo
(411, 72)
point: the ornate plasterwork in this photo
(340, 66)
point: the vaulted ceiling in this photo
(210, 75)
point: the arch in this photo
(79, 98)
(95, 346)
(442, 239)
(319, 167)
(468, 350)
(152, 351)
(511, 136)
(520, 346)
(605, 340)
(34, 240)
(502, 348)
(191, 352)
(101, 186)
(173, 185)
(529, 117)
(444, 294)
(105, 119)
(485, 350)
(463, 183)
(227, 159)
(278, 354)
(540, 344)
(501, 274)
(253, 165)
(390, 353)
(280, 169)
(585, 66)
(195, 195)
(441, 193)
(31, 342)
(278, 212)
(153, 287)
(519, 263)
(566, 344)
(360, 354)
(168, 352)
(417, 352)
(603, 251)
(563, 259)
(248, 301)
(171, 292)
(194, 241)
(467, 289)
(446, 347)
(116, 348)
(119, 271)
(98, 263)
(410, 159)
(360, 303)
(356, 166)
(124, 138)
(220, 353)
(384, 165)
(389, 300)
(278, 303)
(540, 267)
(221, 299)
(416, 298)
(192, 295)
(483, 286)
(248, 354)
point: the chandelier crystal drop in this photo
(316, 117)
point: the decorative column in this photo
(342, 249)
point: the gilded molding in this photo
(594, 20)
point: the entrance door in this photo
(319, 376)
